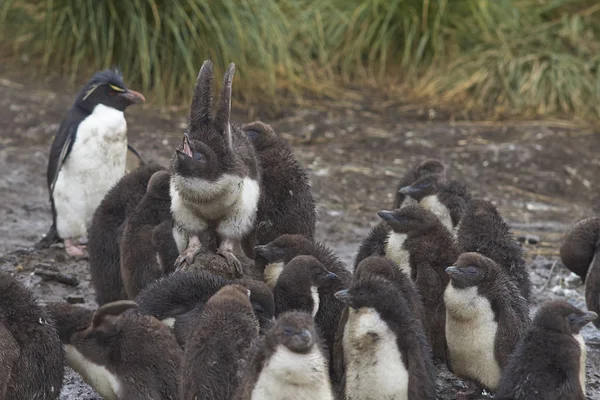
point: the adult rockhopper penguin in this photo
(87, 157)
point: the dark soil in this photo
(541, 177)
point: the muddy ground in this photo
(542, 178)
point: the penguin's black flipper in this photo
(135, 152)
(61, 147)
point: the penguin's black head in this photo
(558, 315)
(196, 159)
(261, 135)
(316, 272)
(107, 88)
(282, 249)
(425, 186)
(158, 185)
(430, 167)
(295, 330)
(409, 219)
(370, 292)
(379, 266)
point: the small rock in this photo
(75, 299)
(529, 239)
(572, 281)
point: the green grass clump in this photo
(502, 57)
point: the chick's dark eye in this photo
(198, 156)
(252, 135)
(259, 309)
(288, 331)
(472, 270)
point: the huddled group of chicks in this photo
(210, 284)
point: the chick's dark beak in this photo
(343, 296)
(386, 215)
(407, 190)
(269, 253)
(586, 318)
(133, 96)
(453, 271)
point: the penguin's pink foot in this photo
(74, 250)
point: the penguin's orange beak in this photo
(133, 96)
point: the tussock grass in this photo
(502, 57)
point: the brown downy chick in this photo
(549, 362)
(580, 245)
(485, 318)
(483, 230)
(215, 177)
(143, 259)
(261, 299)
(427, 167)
(178, 299)
(125, 355)
(273, 257)
(218, 351)
(299, 285)
(446, 199)
(432, 248)
(31, 357)
(384, 241)
(288, 362)
(286, 204)
(385, 352)
(381, 267)
(104, 235)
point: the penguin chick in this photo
(427, 167)
(431, 248)
(105, 234)
(384, 268)
(178, 299)
(485, 318)
(261, 299)
(384, 241)
(31, 358)
(299, 285)
(178, 293)
(446, 199)
(483, 230)
(288, 362)
(69, 318)
(218, 351)
(579, 246)
(386, 354)
(141, 261)
(123, 354)
(549, 362)
(273, 257)
(215, 180)
(88, 155)
(286, 202)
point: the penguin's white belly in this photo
(292, 376)
(374, 366)
(433, 204)
(471, 336)
(97, 376)
(394, 250)
(231, 201)
(94, 165)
